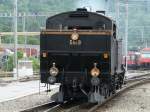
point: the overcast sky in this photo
(92, 4)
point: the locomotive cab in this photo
(79, 50)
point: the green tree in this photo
(35, 64)
(20, 55)
(8, 65)
(33, 41)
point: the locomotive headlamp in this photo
(75, 35)
(53, 70)
(95, 71)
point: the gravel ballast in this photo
(135, 100)
(26, 102)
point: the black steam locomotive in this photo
(80, 50)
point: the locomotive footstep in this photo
(95, 97)
(60, 97)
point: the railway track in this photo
(131, 83)
(41, 108)
(73, 106)
(68, 106)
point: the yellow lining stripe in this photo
(105, 32)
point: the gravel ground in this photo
(135, 100)
(26, 102)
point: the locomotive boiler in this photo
(80, 50)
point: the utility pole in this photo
(0, 42)
(146, 43)
(117, 15)
(0, 39)
(126, 35)
(25, 37)
(15, 35)
(142, 35)
(106, 6)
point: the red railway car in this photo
(144, 59)
(29, 51)
(132, 60)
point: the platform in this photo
(20, 89)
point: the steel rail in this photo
(40, 108)
(65, 107)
